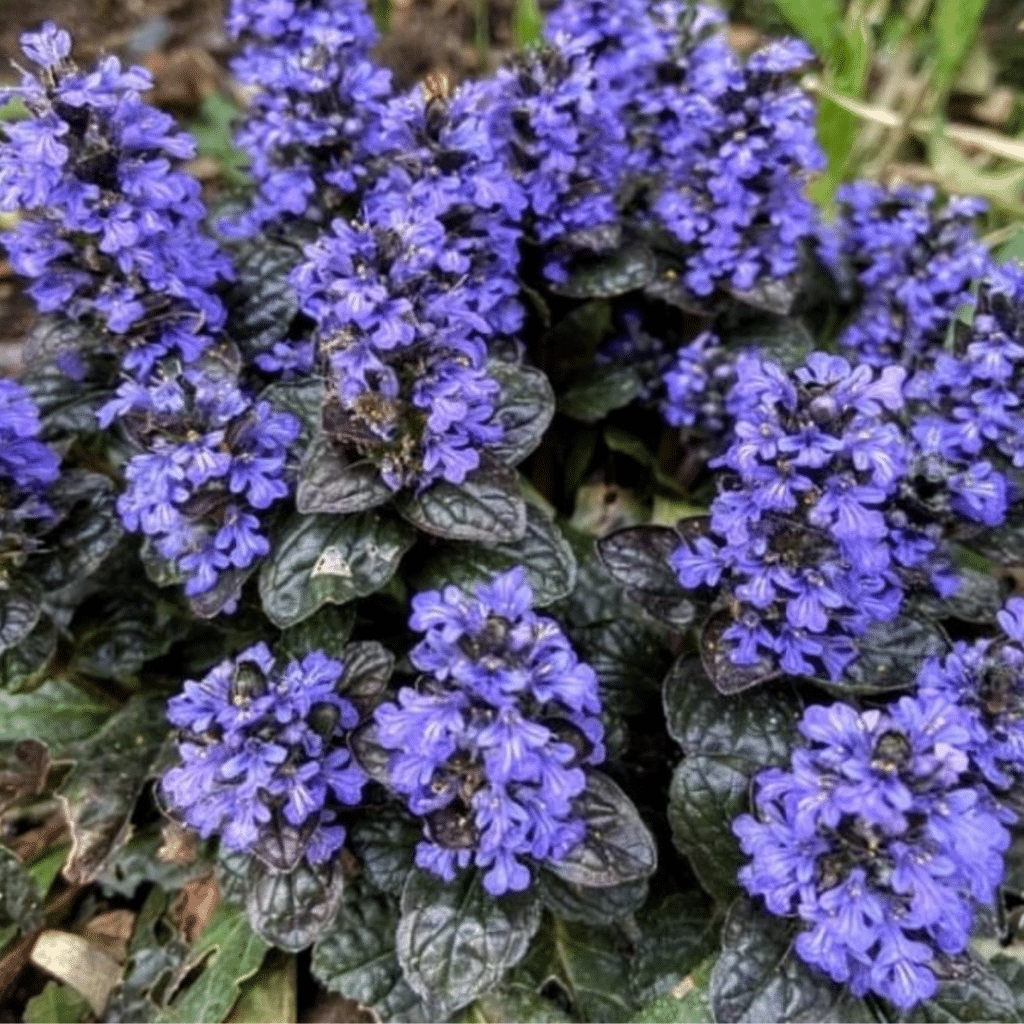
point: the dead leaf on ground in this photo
(78, 963)
(194, 904)
(179, 844)
(112, 932)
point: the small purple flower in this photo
(263, 748)
(490, 747)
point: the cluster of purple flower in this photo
(807, 538)
(564, 147)
(907, 268)
(109, 227)
(880, 841)
(986, 679)
(969, 430)
(408, 297)
(112, 233)
(316, 105)
(697, 385)
(489, 747)
(213, 456)
(27, 468)
(262, 750)
(722, 148)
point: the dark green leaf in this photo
(124, 630)
(20, 902)
(675, 937)
(706, 794)
(331, 482)
(512, 1003)
(261, 301)
(56, 1004)
(24, 667)
(689, 1001)
(87, 533)
(372, 757)
(384, 841)
(368, 667)
(728, 677)
(159, 570)
(632, 267)
(454, 941)
(773, 296)
(292, 909)
(784, 340)
(1004, 544)
(596, 597)
(759, 977)
(542, 551)
(99, 793)
(487, 507)
(54, 335)
(329, 558)
(1011, 970)
(525, 408)
(229, 952)
(356, 958)
(638, 559)
(630, 659)
(303, 399)
(56, 714)
(601, 390)
(222, 594)
(617, 848)
(589, 963)
(19, 612)
(970, 991)
(891, 653)
(977, 599)
(574, 902)
(66, 406)
(325, 630)
(758, 726)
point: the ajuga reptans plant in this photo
(517, 547)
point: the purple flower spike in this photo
(879, 841)
(262, 749)
(490, 747)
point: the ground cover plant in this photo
(321, 664)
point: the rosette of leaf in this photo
(55, 531)
(905, 267)
(109, 227)
(264, 765)
(808, 554)
(985, 679)
(566, 149)
(213, 461)
(879, 845)
(315, 109)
